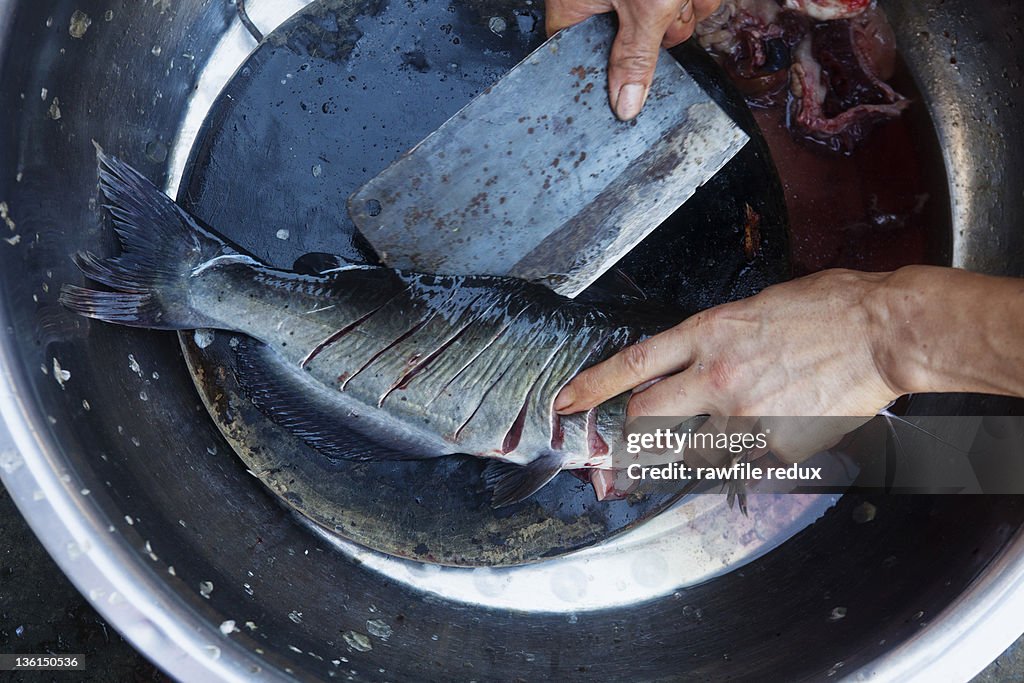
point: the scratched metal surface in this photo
(536, 178)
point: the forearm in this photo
(948, 330)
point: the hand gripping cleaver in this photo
(536, 178)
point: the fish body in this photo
(425, 365)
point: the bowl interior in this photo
(128, 426)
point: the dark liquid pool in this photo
(884, 206)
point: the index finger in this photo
(559, 14)
(662, 354)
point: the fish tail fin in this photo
(161, 244)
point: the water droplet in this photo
(10, 460)
(156, 150)
(357, 641)
(80, 23)
(569, 584)
(864, 513)
(497, 25)
(526, 22)
(60, 374)
(203, 338)
(379, 628)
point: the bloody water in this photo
(883, 206)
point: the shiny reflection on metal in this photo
(231, 49)
(973, 608)
(965, 637)
(968, 66)
(688, 544)
(97, 558)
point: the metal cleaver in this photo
(537, 179)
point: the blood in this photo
(869, 210)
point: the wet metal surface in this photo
(159, 474)
(320, 107)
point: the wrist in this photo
(899, 329)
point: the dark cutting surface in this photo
(326, 102)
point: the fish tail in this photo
(162, 245)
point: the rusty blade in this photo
(536, 178)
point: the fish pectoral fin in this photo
(511, 483)
(307, 409)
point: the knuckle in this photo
(704, 323)
(636, 51)
(719, 375)
(636, 359)
(713, 316)
(589, 384)
(636, 55)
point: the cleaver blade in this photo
(536, 178)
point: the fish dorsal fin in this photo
(320, 263)
(511, 483)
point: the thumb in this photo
(634, 57)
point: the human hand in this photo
(644, 26)
(805, 348)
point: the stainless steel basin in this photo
(132, 489)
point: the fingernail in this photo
(631, 100)
(565, 398)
